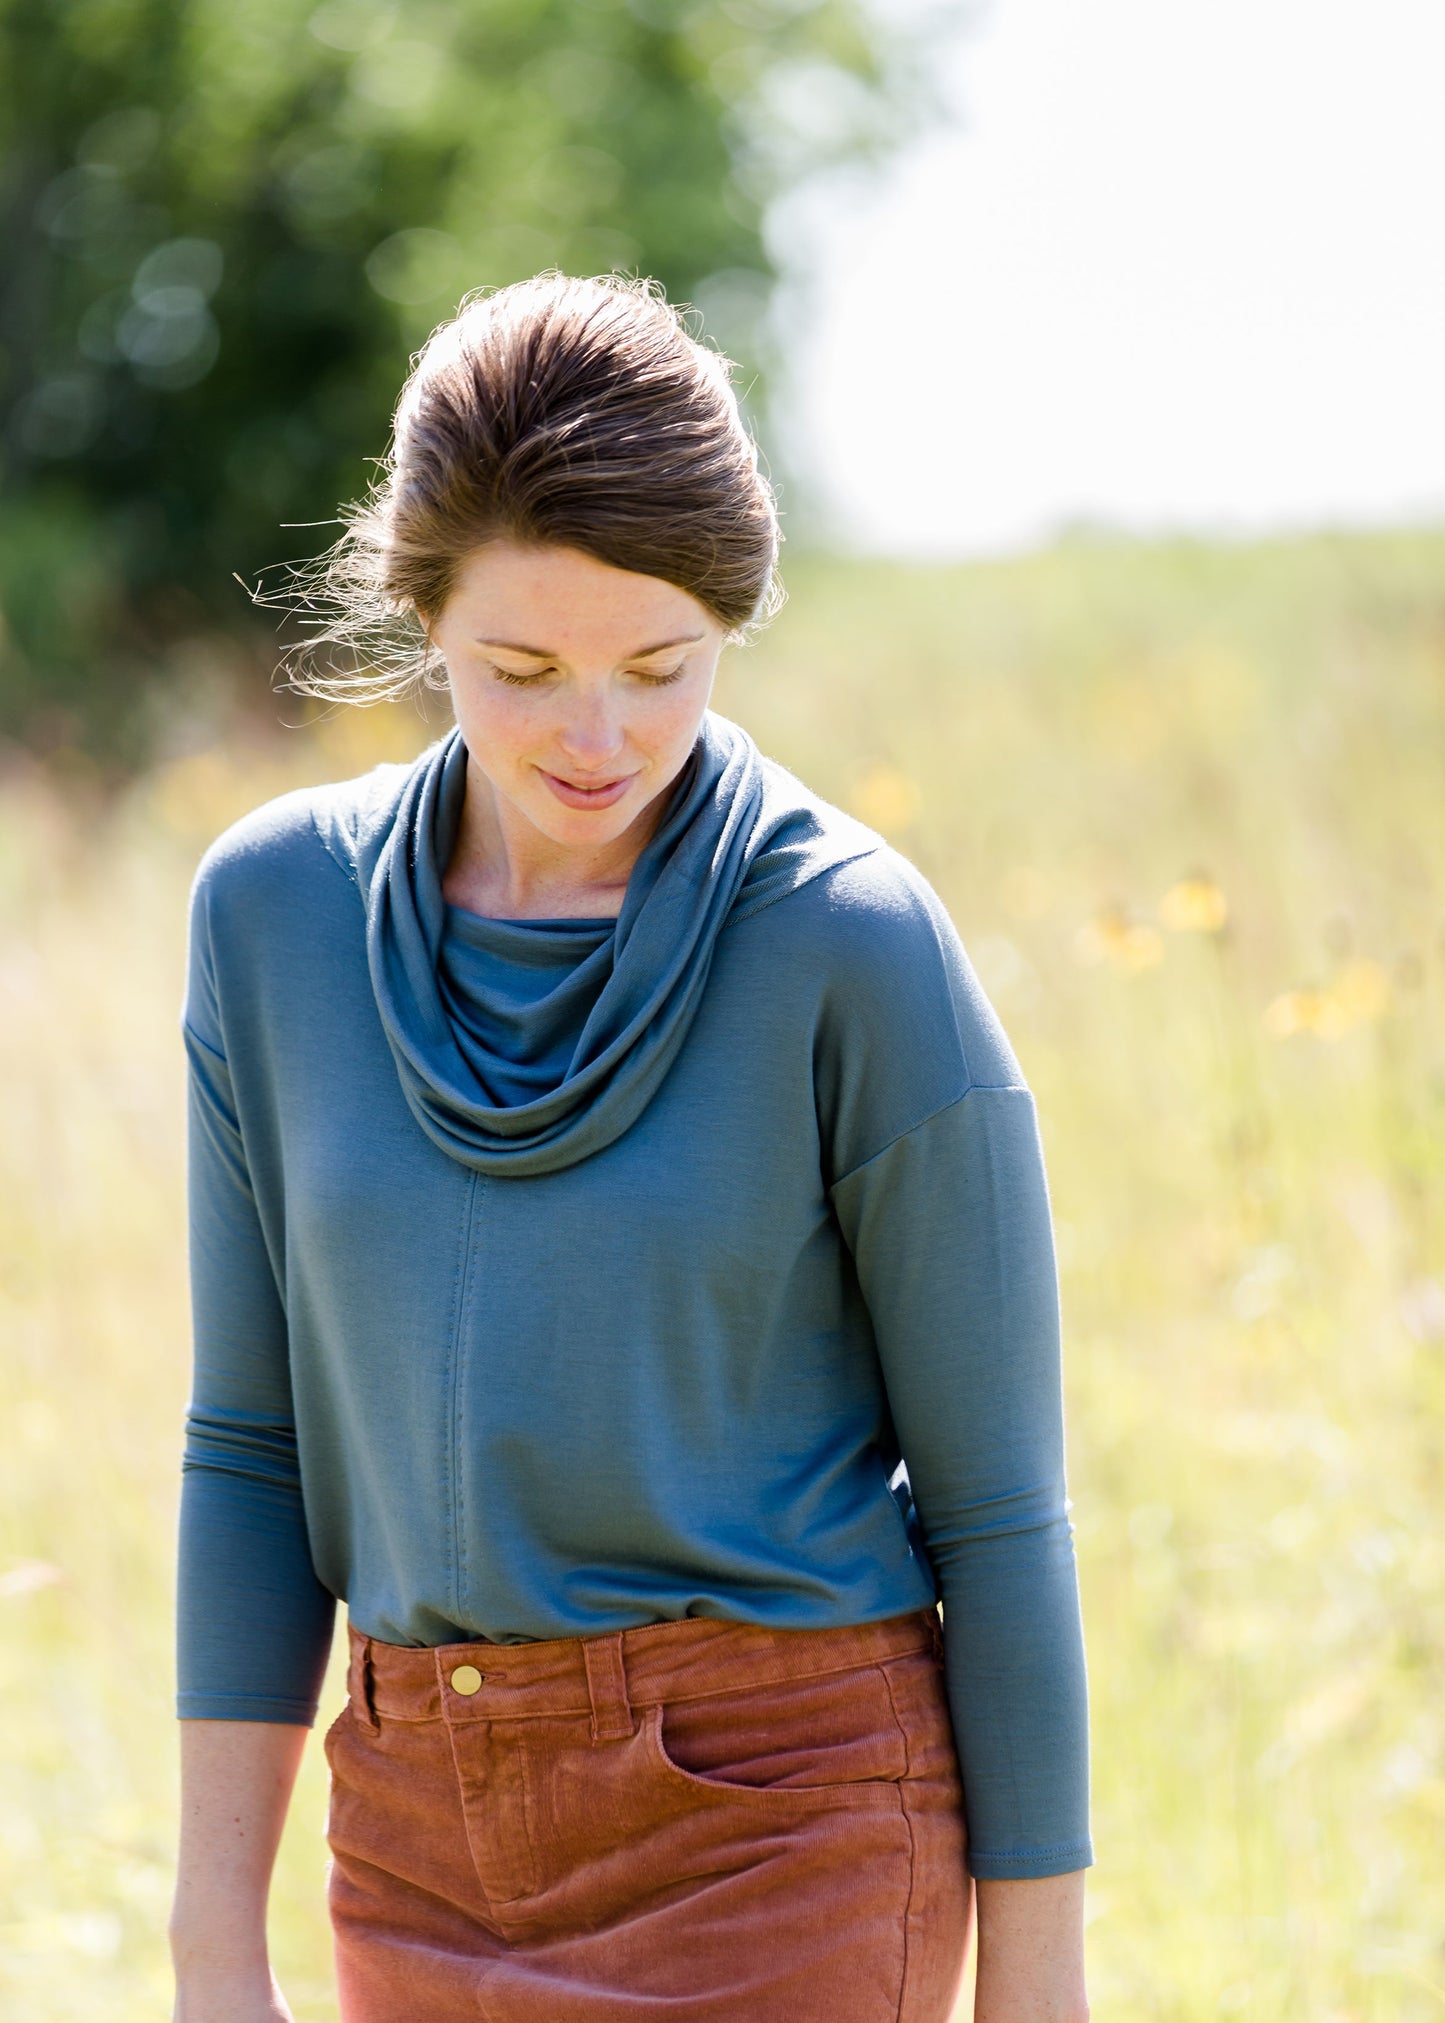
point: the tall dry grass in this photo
(1185, 804)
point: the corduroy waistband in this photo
(656, 1662)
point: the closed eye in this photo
(650, 677)
(521, 680)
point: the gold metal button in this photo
(466, 1679)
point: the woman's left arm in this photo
(951, 1237)
(950, 1231)
(935, 1170)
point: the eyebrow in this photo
(543, 653)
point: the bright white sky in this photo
(1176, 263)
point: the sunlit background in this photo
(1168, 265)
(1095, 353)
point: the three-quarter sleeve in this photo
(254, 1623)
(950, 1230)
(935, 1167)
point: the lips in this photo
(601, 794)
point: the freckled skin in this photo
(615, 691)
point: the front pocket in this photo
(830, 1740)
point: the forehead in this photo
(563, 601)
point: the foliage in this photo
(227, 226)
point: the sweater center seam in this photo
(461, 1288)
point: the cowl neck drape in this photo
(738, 832)
(518, 993)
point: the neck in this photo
(503, 866)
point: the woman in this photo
(622, 1271)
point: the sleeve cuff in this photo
(1043, 1861)
(244, 1707)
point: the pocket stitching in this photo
(823, 1797)
(898, 1724)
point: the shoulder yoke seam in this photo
(341, 864)
(974, 1088)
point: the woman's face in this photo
(579, 688)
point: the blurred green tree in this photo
(227, 226)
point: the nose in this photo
(592, 735)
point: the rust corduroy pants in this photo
(700, 1821)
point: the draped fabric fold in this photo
(738, 833)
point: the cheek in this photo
(494, 722)
(673, 723)
(665, 733)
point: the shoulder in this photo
(292, 849)
(892, 973)
(876, 907)
(272, 897)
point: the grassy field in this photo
(1185, 804)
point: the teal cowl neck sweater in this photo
(555, 1277)
(733, 837)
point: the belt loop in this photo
(607, 1687)
(935, 1631)
(368, 1689)
(359, 1685)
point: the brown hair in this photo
(557, 412)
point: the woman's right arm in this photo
(236, 1783)
(254, 1623)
